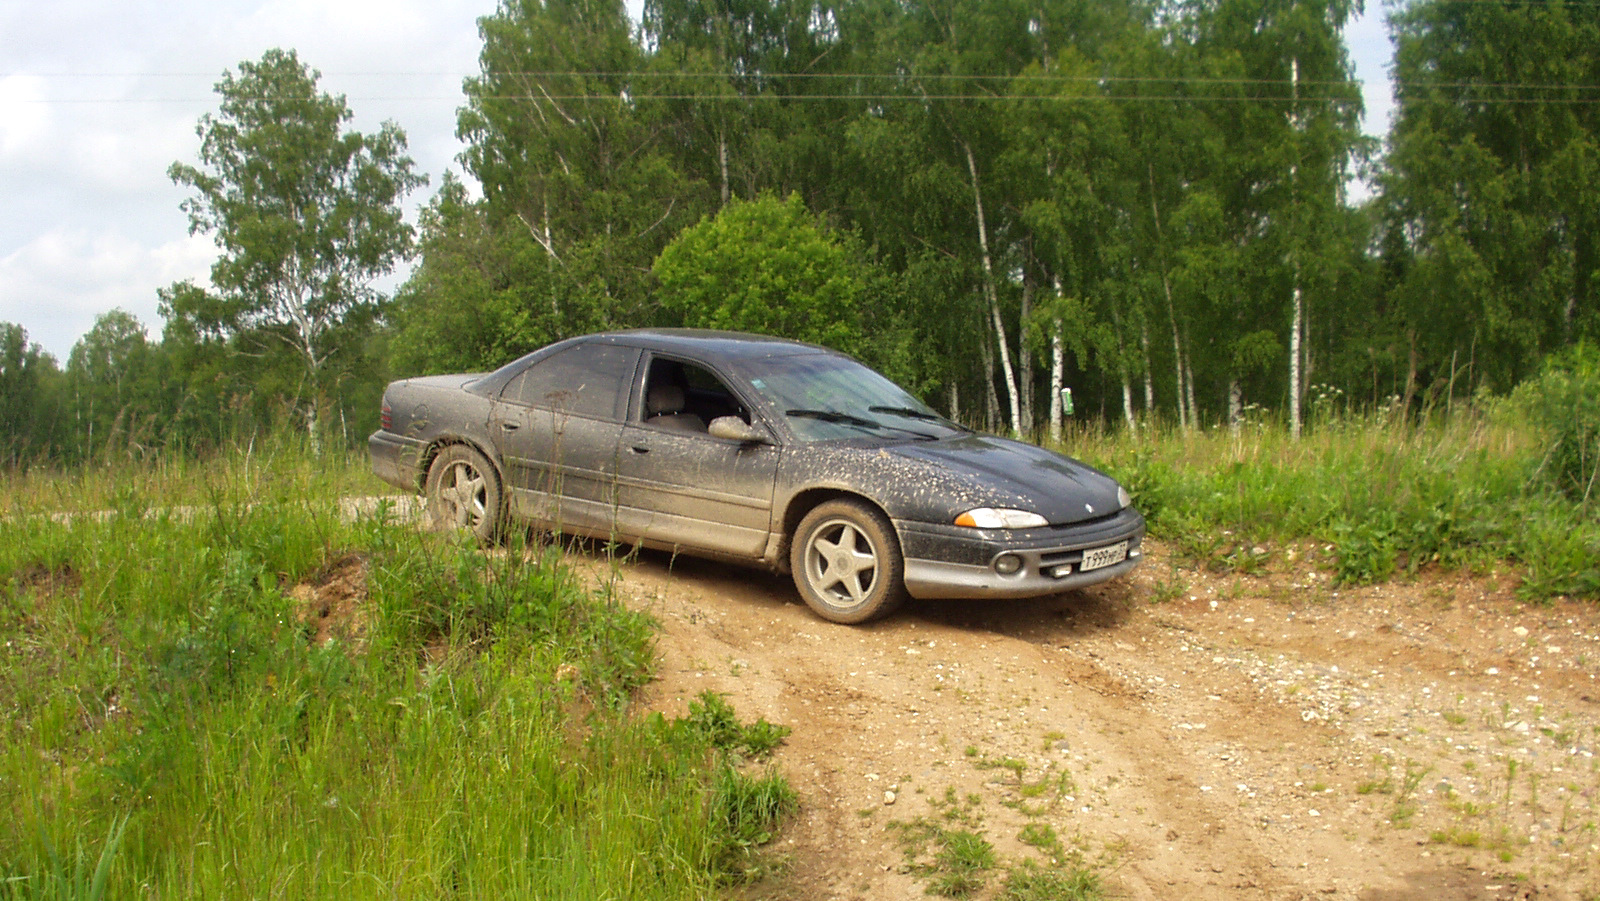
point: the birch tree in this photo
(305, 212)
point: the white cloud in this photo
(98, 98)
(1370, 51)
(24, 116)
(57, 284)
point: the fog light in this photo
(1007, 564)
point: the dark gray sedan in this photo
(757, 450)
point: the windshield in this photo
(826, 397)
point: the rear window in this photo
(583, 380)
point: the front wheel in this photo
(464, 492)
(846, 562)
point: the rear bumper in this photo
(953, 562)
(395, 459)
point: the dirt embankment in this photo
(1195, 736)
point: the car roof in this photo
(709, 344)
(717, 348)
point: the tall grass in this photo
(252, 466)
(1386, 495)
(169, 728)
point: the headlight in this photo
(991, 518)
(1123, 497)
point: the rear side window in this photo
(585, 380)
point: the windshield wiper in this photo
(913, 413)
(843, 418)
(837, 416)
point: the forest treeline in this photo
(1149, 203)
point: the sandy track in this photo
(1250, 737)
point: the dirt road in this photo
(1191, 735)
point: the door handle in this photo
(509, 426)
(640, 449)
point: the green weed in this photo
(1389, 495)
(172, 685)
(713, 718)
(1031, 882)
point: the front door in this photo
(677, 486)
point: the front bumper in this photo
(954, 562)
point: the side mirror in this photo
(735, 429)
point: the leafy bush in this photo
(767, 265)
(1565, 401)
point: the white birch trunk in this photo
(1177, 359)
(1025, 361)
(1294, 361)
(722, 159)
(991, 399)
(312, 430)
(1149, 377)
(1172, 313)
(1058, 358)
(1235, 407)
(1296, 324)
(992, 296)
(1188, 389)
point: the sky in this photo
(99, 97)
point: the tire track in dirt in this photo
(1225, 744)
(1189, 831)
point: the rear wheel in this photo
(464, 492)
(846, 562)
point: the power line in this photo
(865, 98)
(1020, 78)
(904, 78)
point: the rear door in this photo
(556, 426)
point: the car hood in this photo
(1019, 475)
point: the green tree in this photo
(559, 139)
(108, 379)
(1495, 155)
(480, 295)
(307, 215)
(29, 405)
(1292, 148)
(767, 266)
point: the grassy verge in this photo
(261, 700)
(254, 467)
(1382, 497)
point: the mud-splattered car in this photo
(758, 450)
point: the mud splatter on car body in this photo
(726, 445)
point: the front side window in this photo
(584, 380)
(686, 397)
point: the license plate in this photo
(1104, 556)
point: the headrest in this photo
(664, 397)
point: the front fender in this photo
(904, 488)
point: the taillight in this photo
(386, 418)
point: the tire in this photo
(846, 562)
(464, 492)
